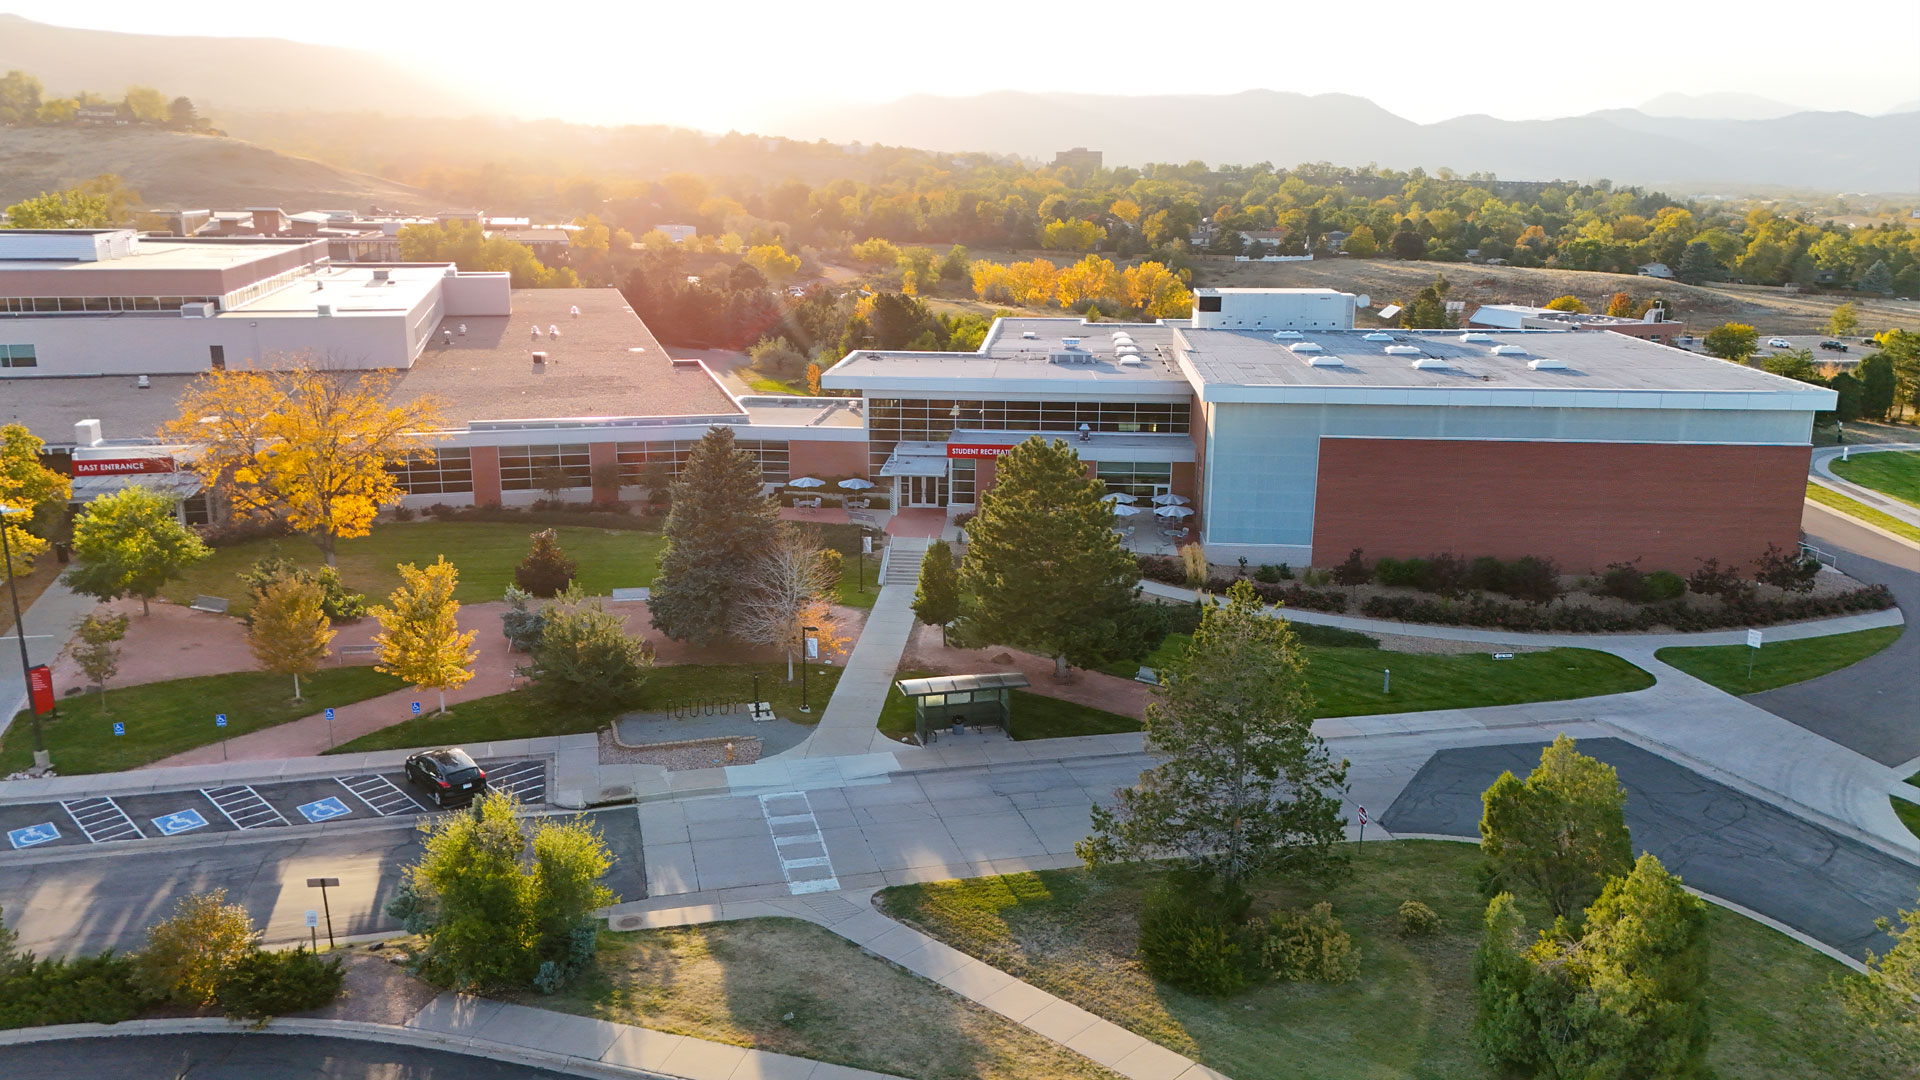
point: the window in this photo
(638, 460)
(526, 468)
(197, 510)
(961, 474)
(446, 472)
(218, 354)
(1209, 303)
(1142, 479)
(18, 356)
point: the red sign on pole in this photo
(122, 466)
(40, 681)
(963, 450)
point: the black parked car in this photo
(449, 776)
(1835, 346)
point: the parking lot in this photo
(243, 807)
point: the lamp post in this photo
(41, 759)
(804, 631)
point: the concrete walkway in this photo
(1821, 472)
(847, 725)
(851, 915)
(47, 623)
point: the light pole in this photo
(41, 759)
(804, 631)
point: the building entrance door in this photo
(925, 491)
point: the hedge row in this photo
(1167, 570)
(1578, 618)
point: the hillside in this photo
(171, 169)
(1773, 311)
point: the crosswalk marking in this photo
(381, 795)
(101, 820)
(791, 823)
(244, 807)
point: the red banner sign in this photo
(40, 680)
(121, 466)
(961, 450)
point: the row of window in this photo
(536, 468)
(13, 356)
(66, 305)
(1143, 479)
(915, 420)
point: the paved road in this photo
(1872, 707)
(248, 1057)
(97, 901)
(1718, 840)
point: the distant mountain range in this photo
(1837, 151)
(1719, 106)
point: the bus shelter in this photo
(945, 701)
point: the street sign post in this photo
(416, 708)
(330, 741)
(119, 728)
(1363, 825)
(313, 923)
(1753, 650)
(323, 884)
(220, 721)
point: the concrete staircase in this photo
(903, 561)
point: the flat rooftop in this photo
(604, 364)
(174, 254)
(1021, 356)
(348, 289)
(780, 411)
(1236, 365)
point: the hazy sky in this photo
(726, 64)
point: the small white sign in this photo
(313, 917)
(1503, 656)
(813, 647)
(1753, 639)
(866, 545)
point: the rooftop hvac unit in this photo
(1405, 350)
(1545, 364)
(323, 309)
(381, 275)
(1429, 363)
(1325, 361)
(1131, 360)
(1508, 350)
(1477, 339)
(1305, 347)
(1028, 335)
(539, 357)
(1377, 336)
(1070, 342)
(196, 311)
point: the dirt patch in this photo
(377, 990)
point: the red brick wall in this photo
(486, 476)
(823, 459)
(1584, 504)
(599, 454)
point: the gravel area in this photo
(706, 755)
(377, 990)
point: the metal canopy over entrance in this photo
(916, 459)
(948, 700)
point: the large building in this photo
(1294, 436)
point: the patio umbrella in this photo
(856, 484)
(1119, 497)
(1173, 512)
(1128, 511)
(1170, 499)
(806, 482)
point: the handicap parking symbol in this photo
(324, 809)
(178, 822)
(119, 728)
(33, 835)
(219, 719)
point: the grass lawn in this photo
(766, 384)
(791, 987)
(513, 715)
(1072, 933)
(857, 586)
(1909, 812)
(1855, 508)
(1346, 681)
(1034, 715)
(165, 718)
(486, 553)
(1778, 663)
(1895, 472)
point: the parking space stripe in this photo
(381, 795)
(524, 780)
(101, 820)
(244, 807)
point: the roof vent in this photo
(1377, 336)
(1405, 350)
(1131, 360)
(539, 358)
(323, 309)
(1430, 363)
(381, 275)
(1127, 350)
(1028, 335)
(1544, 364)
(1508, 350)
(1477, 339)
(1305, 347)
(1325, 361)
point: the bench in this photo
(345, 651)
(1147, 675)
(641, 593)
(212, 605)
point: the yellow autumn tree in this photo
(420, 639)
(1157, 291)
(1092, 278)
(303, 442)
(1033, 283)
(290, 631)
(1126, 210)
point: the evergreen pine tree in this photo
(718, 528)
(546, 570)
(937, 599)
(1044, 564)
(1697, 263)
(1878, 278)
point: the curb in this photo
(361, 1031)
(1859, 522)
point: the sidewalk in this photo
(848, 724)
(1822, 473)
(46, 623)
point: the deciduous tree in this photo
(584, 659)
(312, 445)
(1731, 341)
(1886, 997)
(130, 543)
(936, 600)
(1844, 320)
(785, 590)
(95, 647)
(188, 955)
(1361, 243)
(1568, 303)
(1621, 306)
(26, 484)
(1562, 831)
(1242, 787)
(420, 638)
(1044, 565)
(290, 631)
(719, 524)
(70, 209)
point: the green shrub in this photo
(546, 570)
(1624, 581)
(1192, 948)
(1418, 920)
(189, 954)
(1665, 585)
(1409, 572)
(1487, 574)
(338, 604)
(1309, 945)
(88, 990)
(1268, 573)
(266, 984)
(1533, 578)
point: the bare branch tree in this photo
(786, 589)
